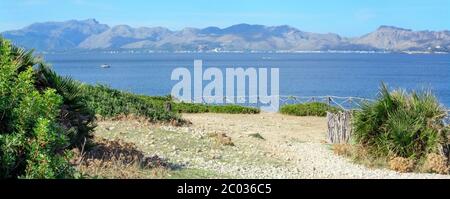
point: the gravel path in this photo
(287, 147)
(300, 141)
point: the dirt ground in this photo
(273, 127)
(266, 145)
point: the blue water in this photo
(300, 74)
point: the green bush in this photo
(401, 124)
(108, 102)
(32, 142)
(233, 109)
(309, 109)
(75, 117)
(203, 108)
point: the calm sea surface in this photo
(356, 75)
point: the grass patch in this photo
(309, 109)
(116, 159)
(188, 149)
(359, 155)
(342, 149)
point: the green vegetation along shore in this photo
(309, 109)
(45, 115)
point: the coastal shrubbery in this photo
(309, 109)
(182, 107)
(402, 125)
(107, 102)
(75, 117)
(202, 108)
(33, 142)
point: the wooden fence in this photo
(339, 127)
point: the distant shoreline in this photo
(241, 52)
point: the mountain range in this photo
(91, 35)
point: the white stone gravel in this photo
(288, 152)
(306, 160)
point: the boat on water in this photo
(105, 66)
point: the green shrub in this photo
(75, 117)
(401, 124)
(309, 109)
(182, 107)
(108, 102)
(203, 108)
(190, 108)
(233, 109)
(32, 143)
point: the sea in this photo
(300, 74)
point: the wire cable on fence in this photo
(345, 103)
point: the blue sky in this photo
(346, 17)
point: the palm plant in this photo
(75, 117)
(24, 58)
(401, 124)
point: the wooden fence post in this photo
(168, 106)
(339, 127)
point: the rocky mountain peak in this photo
(91, 34)
(392, 28)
